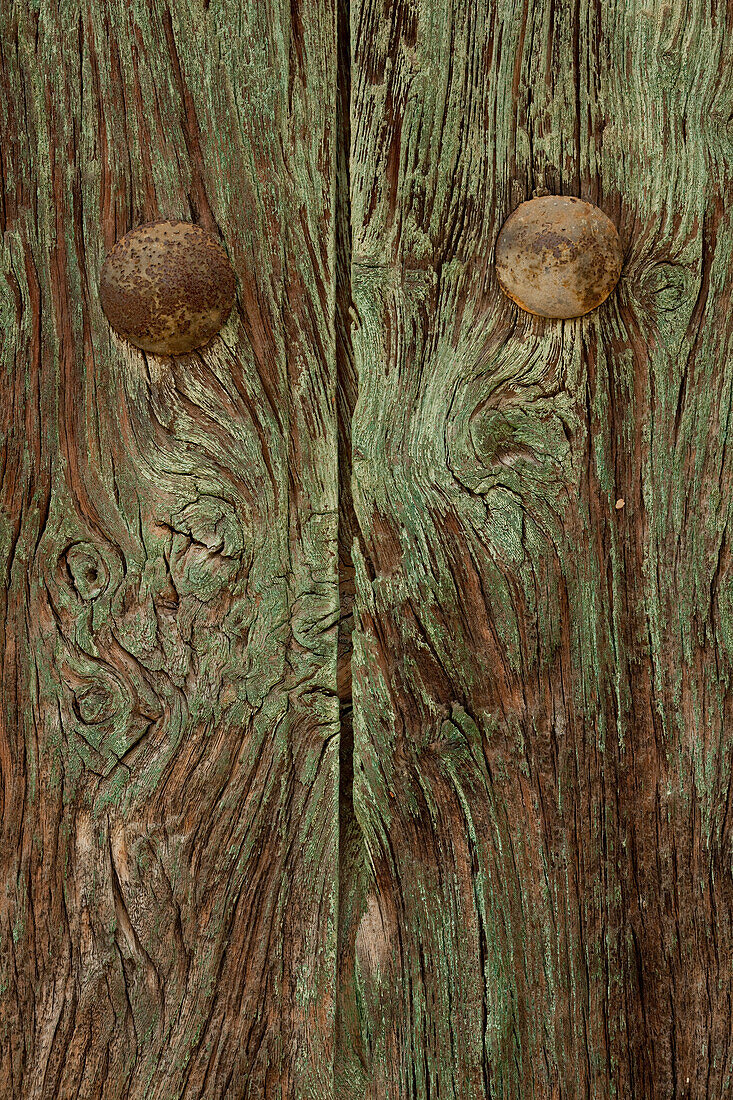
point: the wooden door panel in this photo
(169, 744)
(534, 852)
(542, 721)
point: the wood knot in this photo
(85, 570)
(88, 570)
(95, 703)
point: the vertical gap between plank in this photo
(350, 845)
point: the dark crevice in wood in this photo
(350, 840)
(345, 400)
(346, 384)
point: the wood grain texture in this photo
(532, 873)
(542, 652)
(169, 748)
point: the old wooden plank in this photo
(168, 751)
(542, 708)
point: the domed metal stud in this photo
(558, 256)
(167, 287)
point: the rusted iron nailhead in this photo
(167, 287)
(558, 256)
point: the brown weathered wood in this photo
(542, 662)
(512, 877)
(169, 749)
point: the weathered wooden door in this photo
(502, 865)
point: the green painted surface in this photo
(503, 867)
(169, 752)
(542, 711)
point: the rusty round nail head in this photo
(558, 256)
(167, 287)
